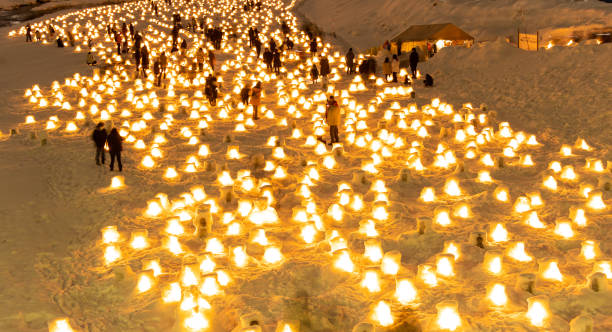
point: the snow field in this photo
(357, 232)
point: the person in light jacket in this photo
(256, 99)
(386, 67)
(332, 116)
(395, 67)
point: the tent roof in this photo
(447, 31)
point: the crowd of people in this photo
(129, 40)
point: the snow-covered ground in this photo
(364, 23)
(55, 201)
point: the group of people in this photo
(111, 140)
(249, 95)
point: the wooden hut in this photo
(423, 37)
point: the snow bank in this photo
(561, 93)
(366, 23)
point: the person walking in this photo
(313, 48)
(157, 72)
(200, 59)
(163, 63)
(244, 95)
(276, 63)
(332, 117)
(414, 61)
(314, 74)
(99, 137)
(324, 64)
(145, 60)
(350, 61)
(256, 99)
(211, 60)
(115, 147)
(395, 67)
(28, 33)
(267, 58)
(386, 67)
(118, 42)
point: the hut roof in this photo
(446, 31)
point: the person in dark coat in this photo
(157, 72)
(99, 137)
(244, 95)
(313, 48)
(145, 60)
(210, 89)
(115, 147)
(137, 58)
(350, 61)
(257, 44)
(314, 73)
(272, 46)
(414, 60)
(267, 58)
(28, 33)
(324, 63)
(276, 63)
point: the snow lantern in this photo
(538, 311)
(448, 316)
(598, 282)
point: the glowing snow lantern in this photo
(110, 234)
(589, 249)
(493, 261)
(172, 293)
(111, 254)
(308, 233)
(428, 195)
(145, 282)
(405, 292)
(442, 217)
(147, 162)
(170, 173)
(517, 252)
(484, 177)
(371, 281)
(382, 314)
(214, 246)
(451, 187)
(373, 251)
(522, 204)
(566, 150)
(153, 209)
(343, 261)
(596, 201)
(272, 255)
(578, 216)
(448, 317)
(563, 228)
(568, 173)
(196, 322)
(117, 182)
(533, 220)
(139, 240)
(391, 262)
(497, 295)
(444, 265)
(60, 325)
(173, 245)
(537, 311)
(550, 183)
(501, 194)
